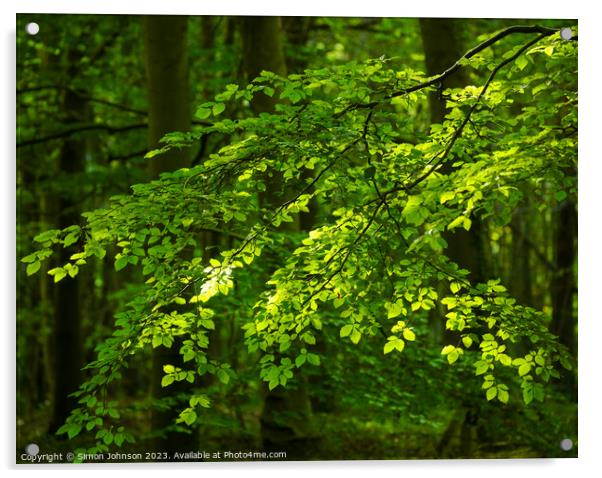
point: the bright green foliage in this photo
(376, 260)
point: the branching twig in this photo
(80, 129)
(458, 64)
(458, 131)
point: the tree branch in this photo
(82, 96)
(123, 157)
(79, 129)
(544, 31)
(466, 119)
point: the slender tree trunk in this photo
(564, 285)
(442, 48)
(168, 110)
(297, 33)
(67, 338)
(520, 283)
(286, 416)
(31, 304)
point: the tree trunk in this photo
(442, 48)
(67, 338)
(297, 34)
(564, 285)
(286, 416)
(520, 265)
(168, 110)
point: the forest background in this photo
(95, 120)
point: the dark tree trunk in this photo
(286, 416)
(564, 286)
(442, 48)
(297, 34)
(520, 281)
(168, 110)
(67, 339)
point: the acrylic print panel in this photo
(265, 238)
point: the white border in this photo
(589, 231)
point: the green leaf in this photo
(447, 196)
(413, 211)
(504, 359)
(152, 153)
(167, 380)
(481, 367)
(389, 347)
(157, 340)
(527, 395)
(409, 335)
(121, 262)
(202, 400)
(491, 393)
(460, 221)
(107, 438)
(309, 338)
(202, 113)
(394, 310)
(524, 369)
(300, 360)
(30, 258)
(71, 238)
(313, 359)
(58, 273)
(453, 356)
(467, 341)
(218, 108)
(223, 376)
(522, 62)
(119, 438)
(502, 395)
(73, 430)
(189, 417)
(33, 268)
(346, 330)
